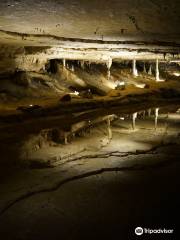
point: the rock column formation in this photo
(64, 62)
(157, 70)
(150, 70)
(135, 72)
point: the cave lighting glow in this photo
(75, 93)
(174, 116)
(140, 85)
(160, 80)
(110, 84)
(119, 83)
(176, 74)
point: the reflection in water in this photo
(109, 130)
(134, 116)
(81, 128)
(92, 131)
(156, 117)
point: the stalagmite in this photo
(157, 70)
(156, 112)
(134, 116)
(150, 70)
(109, 128)
(135, 72)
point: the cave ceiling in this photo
(111, 25)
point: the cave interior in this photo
(90, 118)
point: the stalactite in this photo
(149, 112)
(157, 70)
(150, 70)
(108, 75)
(89, 64)
(64, 62)
(109, 64)
(82, 64)
(135, 72)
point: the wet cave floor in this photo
(109, 178)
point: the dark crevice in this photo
(117, 154)
(107, 155)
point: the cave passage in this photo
(89, 119)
